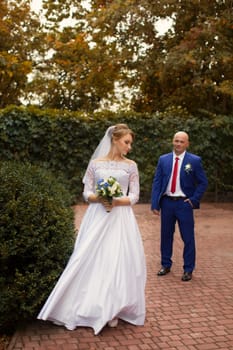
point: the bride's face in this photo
(124, 144)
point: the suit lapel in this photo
(168, 165)
(185, 161)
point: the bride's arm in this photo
(133, 195)
(89, 185)
(120, 201)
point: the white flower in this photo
(113, 189)
(188, 168)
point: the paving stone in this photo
(195, 315)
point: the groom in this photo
(178, 186)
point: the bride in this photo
(105, 277)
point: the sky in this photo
(36, 5)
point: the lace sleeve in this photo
(89, 185)
(134, 184)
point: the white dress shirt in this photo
(178, 191)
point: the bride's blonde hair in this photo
(120, 130)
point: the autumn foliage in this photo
(89, 56)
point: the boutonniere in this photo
(188, 168)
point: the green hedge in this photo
(64, 141)
(36, 239)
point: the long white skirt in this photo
(105, 276)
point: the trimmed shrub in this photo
(36, 239)
(64, 141)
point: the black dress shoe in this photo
(187, 276)
(163, 271)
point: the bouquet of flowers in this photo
(108, 188)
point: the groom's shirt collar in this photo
(181, 156)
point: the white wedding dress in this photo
(106, 274)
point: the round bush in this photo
(36, 239)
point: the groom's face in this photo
(180, 143)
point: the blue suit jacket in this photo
(193, 182)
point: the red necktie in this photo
(174, 176)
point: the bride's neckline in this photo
(125, 160)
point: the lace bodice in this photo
(125, 172)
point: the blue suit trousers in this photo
(182, 213)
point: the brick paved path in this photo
(196, 315)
